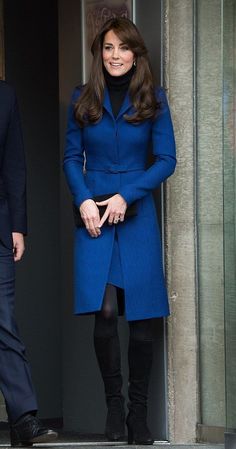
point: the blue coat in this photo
(116, 160)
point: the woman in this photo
(118, 259)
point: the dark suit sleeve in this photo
(14, 170)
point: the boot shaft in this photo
(140, 357)
(108, 356)
(140, 363)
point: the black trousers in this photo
(15, 377)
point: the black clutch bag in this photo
(131, 210)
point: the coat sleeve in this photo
(14, 169)
(73, 162)
(163, 144)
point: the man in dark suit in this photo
(15, 377)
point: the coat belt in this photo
(114, 168)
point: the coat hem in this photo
(134, 318)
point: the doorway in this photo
(43, 61)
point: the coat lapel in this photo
(124, 107)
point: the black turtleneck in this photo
(118, 87)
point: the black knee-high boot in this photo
(140, 362)
(108, 356)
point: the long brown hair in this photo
(88, 108)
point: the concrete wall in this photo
(229, 163)
(180, 245)
(209, 166)
(195, 231)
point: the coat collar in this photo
(125, 105)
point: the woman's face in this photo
(117, 57)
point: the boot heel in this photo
(138, 431)
(130, 435)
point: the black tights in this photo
(106, 320)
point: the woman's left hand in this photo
(115, 211)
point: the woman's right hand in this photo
(90, 216)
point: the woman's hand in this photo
(115, 211)
(90, 216)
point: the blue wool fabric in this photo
(116, 162)
(115, 275)
(117, 88)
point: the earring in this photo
(134, 63)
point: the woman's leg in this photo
(140, 362)
(107, 348)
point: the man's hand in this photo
(18, 245)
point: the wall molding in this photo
(210, 434)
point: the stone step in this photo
(72, 441)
